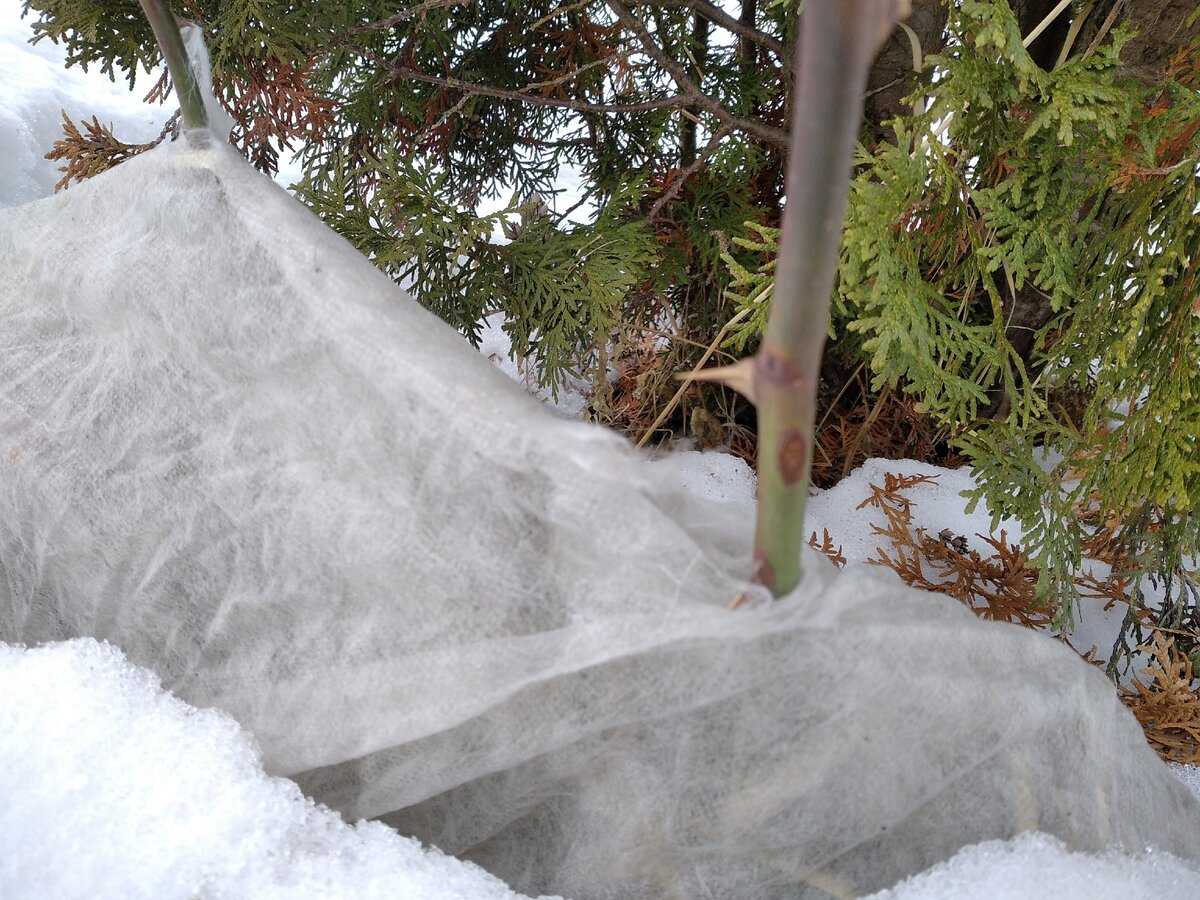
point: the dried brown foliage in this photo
(646, 400)
(1000, 583)
(274, 102)
(1168, 706)
(825, 546)
(645, 380)
(1115, 588)
(1001, 586)
(94, 150)
(892, 502)
(891, 427)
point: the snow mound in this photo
(1039, 867)
(1189, 775)
(112, 783)
(713, 475)
(112, 787)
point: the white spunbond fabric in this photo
(113, 789)
(234, 449)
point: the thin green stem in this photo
(838, 41)
(170, 41)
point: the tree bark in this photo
(892, 77)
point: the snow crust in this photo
(1189, 775)
(1035, 866)
(714, 476)
(114, 788)
(110, 781)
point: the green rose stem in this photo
(170, 41)
(838, 41)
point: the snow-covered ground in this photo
(1035, 866)
(112, 788)
(109, 787)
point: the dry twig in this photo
(96, 149)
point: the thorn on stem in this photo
(739, 376)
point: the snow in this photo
(108, 781)
(113, 787)
(572, 395)
(1038, 866)
(1189, 775)
(715, 475)
(35, 87)
(937, 504)
(1032, 865)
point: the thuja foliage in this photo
(1094, 204)
(1018, 266)
(1020, 260)
(560, 285)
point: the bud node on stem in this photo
(776, 369)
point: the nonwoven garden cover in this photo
(234, 449)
